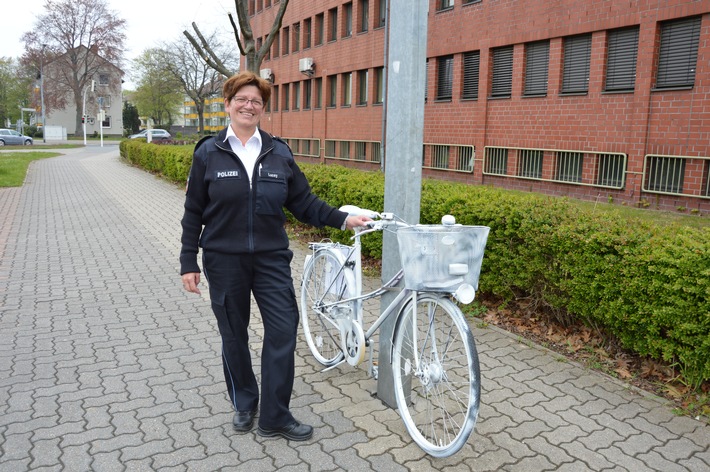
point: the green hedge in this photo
(646, 285)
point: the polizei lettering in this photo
(226, 174)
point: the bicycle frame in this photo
(353, 262)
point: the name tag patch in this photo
(226, 174)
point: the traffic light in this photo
(83, 119)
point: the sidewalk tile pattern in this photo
(107, 365)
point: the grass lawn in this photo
(13, 166)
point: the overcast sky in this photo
(147, 23)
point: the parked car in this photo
(157, 135)
(10, 136)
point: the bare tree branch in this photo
(246, 43)
(206, 53)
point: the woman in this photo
(239, 183)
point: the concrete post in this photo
(404, 131)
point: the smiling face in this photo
(245, 109)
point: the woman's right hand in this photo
(190, 281)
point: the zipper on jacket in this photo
(252, 196)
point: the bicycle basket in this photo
(440, 258)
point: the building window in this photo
(426, 81)
(611, 170)
(332, 90)
(267, 56)
(444, 5)
(286, 97)
(379, 85)
(363, 15)
(319, 93)
(496, 161)
(306, 33)
(320, 27)
(104, 101)
(381, 13)
(332, 24)
(297, 96)
(296, 37)
(275, 97)
(530, 163)
(569, 166)
(276, 45)
(621, 52)
(678, 53)
(665, 174)
(347, 89)
(471, 67)
(537, 59)
(577, 55)
(467, 2)
(286, 41)
(502, 83)
(344, 150)
(307, 91)
(106, 123)
(444, 77)
(103, 79)
(362, 87)
(348, 20)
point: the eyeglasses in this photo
(243, 101)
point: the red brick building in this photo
(605, 99)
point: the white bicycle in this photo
(434, 359)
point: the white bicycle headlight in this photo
(465, 293)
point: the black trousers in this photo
(232, 279)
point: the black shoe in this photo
(294, 431)
(243, 420)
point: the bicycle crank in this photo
(354, 343)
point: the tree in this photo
(78, 38)
(158, 95)
(14, 88)
(131, 120)
(198, 80)
(246, 44)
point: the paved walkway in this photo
(107, 365)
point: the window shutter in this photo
(471, 67)
(445, 78)
(502, 83)
(536, 65)
(621, 59)
(575, 77)
(678, 53)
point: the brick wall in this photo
(646, 121)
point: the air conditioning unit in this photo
(265, 74)
(305, 64)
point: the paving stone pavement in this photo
(107, 365)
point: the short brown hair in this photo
(242, 79)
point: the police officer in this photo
(239, 183)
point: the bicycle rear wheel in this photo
(324, 285)
(437, 380)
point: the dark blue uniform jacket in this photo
(238, 218)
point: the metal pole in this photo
(41, 95)
(406, 68)
(83, 116)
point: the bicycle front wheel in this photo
(437, 380)
(325, 283)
